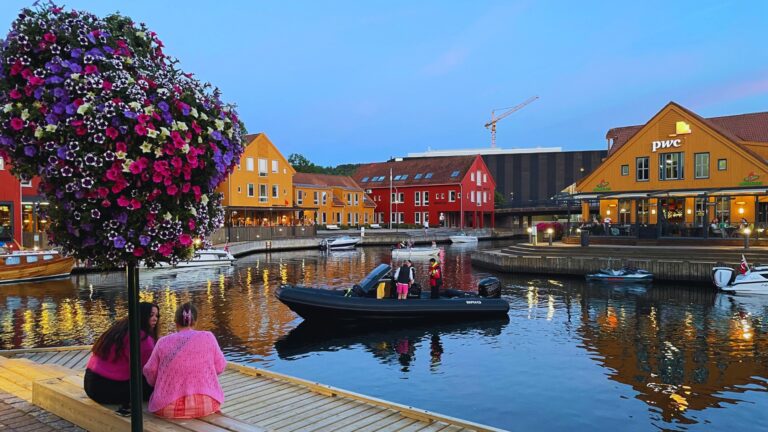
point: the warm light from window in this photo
(608, 212)
(741, 211)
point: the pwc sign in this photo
(665, 144)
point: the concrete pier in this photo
(681, 264)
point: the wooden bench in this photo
(375, 226)
(332, 227)
(65, 397)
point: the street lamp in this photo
(549, 234)
(530, 235)
(747, 231)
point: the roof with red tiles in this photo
(320, 180)
(742, 127)
(418, 171)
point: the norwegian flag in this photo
(744, 267)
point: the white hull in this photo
(415, 252)
(463, 239)
(754, 281)
(339, 243)
(202, 258)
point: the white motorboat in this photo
(339, 242)
(413, 252)
(621, 275)
(751, 280)
(201, 258)
(462, 237)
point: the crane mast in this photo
(492, 124)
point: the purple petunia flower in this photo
(30, 150)
(144, 240)
(76, 53)
(163, 106)
(122, 218)
(216, 135)
(59, 92)
(119, 242)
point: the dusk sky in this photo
(363, 81)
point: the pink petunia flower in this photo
(185, 239)
(17, 123)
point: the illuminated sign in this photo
(682, 128)
(665, 144)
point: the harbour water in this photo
(571, 356)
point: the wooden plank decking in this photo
(265, 399)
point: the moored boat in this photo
(201, 258)
(462, 237)
(24, 266)
(368, 301)
(750, 279)
(413, 252)
(339, 243)
(621, 275)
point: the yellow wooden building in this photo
(260, 190)
(332, 200)
(682, 175)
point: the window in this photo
(625, 170)
(365, 218)
(642, 211)
(238, 190)
(723, 208)
(324, 218)
(428, 175)
(700, 207)
(642, 165)
(250, 189)
(274, 167)
(671, 166)
(275, 191)
(263, 193)
(701, 165)
(471, 196)
(417, 218)
(349, 218)
(417, 176)
(451, 196)
(364, 179)
(478, 177)
(357, 219)
(425, 201)
(417, 198)
(2, 164)
(357, 199)
(425, 217)
(249, 164)
(349, 199)
(472, 176)
(404, 177)
(625, 210)
(300, 197)
(401, 197)
(324, 198)
(485, 178)
(262, 167)
(485, 197)
(6, 222)
(338, 217)
(722, 164)
(455, 174)
(315, 196)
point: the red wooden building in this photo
(10, 206)
(460, 188)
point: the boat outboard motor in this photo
(722, 275)
(489, 287)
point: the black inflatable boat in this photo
(369, 300)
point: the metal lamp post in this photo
(549, 234)
(747, 231)
(530, 235)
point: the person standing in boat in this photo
(435, 278)
(108, 372)
(404, 280)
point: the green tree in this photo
(498, 199)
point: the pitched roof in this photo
(741, 127)
(250, 137)
(440, 169)
(325, 180)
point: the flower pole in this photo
(127, 147)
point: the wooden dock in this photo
(256, 400)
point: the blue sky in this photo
(362, 81)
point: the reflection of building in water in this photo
(678, 356)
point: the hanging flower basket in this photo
(128, 148)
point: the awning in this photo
(750, 191)
(585, 196)
(626, 195)
(672, 193)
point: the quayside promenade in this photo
(670, 263)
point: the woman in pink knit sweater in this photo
(184, 369)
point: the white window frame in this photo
(300, 197)
(485, 197)
(452, 196)
(357, 199)
(349, 199)
(26, 183)
(263, 168)
(417, 218)
(275, 167)
(251, 190)
(249, 164)
(324, 197)
(357, 219)
(479, 178)
(417, 199)
(425, 217)
(324, 218)
(485, 178)
(263, 193)
(275, 191)
(471, 196)
(316, 196)
(425, 198)
(472, 176)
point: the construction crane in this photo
(492, 124)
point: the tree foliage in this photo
(303, 165)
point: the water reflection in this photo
(389, 346)
(596, 355)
